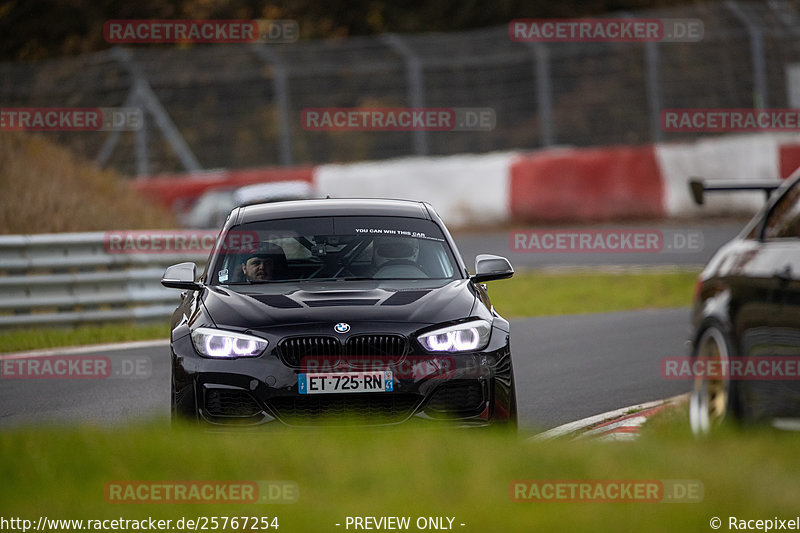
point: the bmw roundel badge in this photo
(341, 327)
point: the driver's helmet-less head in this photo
(268, 262)
(386, 249)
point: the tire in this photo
(713, 401)
(512, 423)
(512, 412)
(182, 410)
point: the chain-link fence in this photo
(234, 106)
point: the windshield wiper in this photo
(295, 280)
(262, 281)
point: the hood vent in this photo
(404, 297)
(340, 302)
(278, 301)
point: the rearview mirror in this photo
(181, 276)
(491, 267)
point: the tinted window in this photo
(783, 220)
(320, 248)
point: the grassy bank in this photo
(40, 338)
(539, 294)
(55, 190)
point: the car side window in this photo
(783, 221)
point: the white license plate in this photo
(341, 382)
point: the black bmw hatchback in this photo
(330, 309)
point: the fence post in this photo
(652, 61)
(280, 84)
(544, 92)
(113, 138)
(142, 157)
(415, 89)
(760, 100)
(143, 94)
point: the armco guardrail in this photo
(71, 278)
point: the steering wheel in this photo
(387, 266)
(392, 262)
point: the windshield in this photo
(332, 248)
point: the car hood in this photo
(260, 306)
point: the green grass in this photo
(40, 338)
(526, 294)
(409, 472)
(541, 294)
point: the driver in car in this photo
(266, 263)
(396, 256)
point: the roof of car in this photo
(322, 207)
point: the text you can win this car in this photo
(340, 309)
(746, 317)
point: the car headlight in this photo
(466, 337)
(212, 342)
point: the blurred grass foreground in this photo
(335, 473)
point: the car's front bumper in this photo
(474, 389)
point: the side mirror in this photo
(490, 267)
(181, 276)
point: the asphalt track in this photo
(567, 367)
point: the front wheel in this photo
(182, 406)
(512, 412)
(713, 398)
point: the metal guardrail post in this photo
(544, 92)
(652, 61)
(416, 92)
(760, 100)
(141, 147)
(280, 84)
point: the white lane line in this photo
(627, 422)
(93, 348)
(573, 427)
